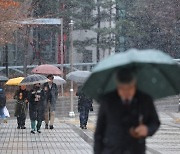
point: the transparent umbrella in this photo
(78, 76)
(34, 79)
(58, 80)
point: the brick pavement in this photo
(68, 138)
(165, 141)
(62, 140)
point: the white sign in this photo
(41, 21)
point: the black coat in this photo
(115, 119)
(83, 100)
(51, 95)
(21, 105)
(36, 107)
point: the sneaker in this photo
(51, 127)
(23, 127)
(83, 127)
(33, 132)
(39, 131)
(18, 127)
(5, 121)
(46, 126)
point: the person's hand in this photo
(133, 133)
(45, 88)
(139, 132)
(26, 101)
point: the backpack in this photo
(2, 98)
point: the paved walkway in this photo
(165, 141)
(62, 140)
(68, 138)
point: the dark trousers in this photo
(84, 114)
(21, 120)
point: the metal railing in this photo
(76, 66)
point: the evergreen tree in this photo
(81, 12)
(105, 15)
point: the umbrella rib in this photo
(106, 81)
(167, 78)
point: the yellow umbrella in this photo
(14, 81)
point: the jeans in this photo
(84, 114)
(35, 126)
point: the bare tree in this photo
(11, 11)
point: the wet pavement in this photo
(62, 140)
(68, 138)
(165, 141)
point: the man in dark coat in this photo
(36, 108)
(84, 106)
(126, 117)
(21, 96)
(51, 94)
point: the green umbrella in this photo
(157, 73)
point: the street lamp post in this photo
(71, 113)
(62, 54)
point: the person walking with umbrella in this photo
(21, 96)
(36, 108)
(84, 106)
(51, 94)
(126, 84)
(126, 117)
